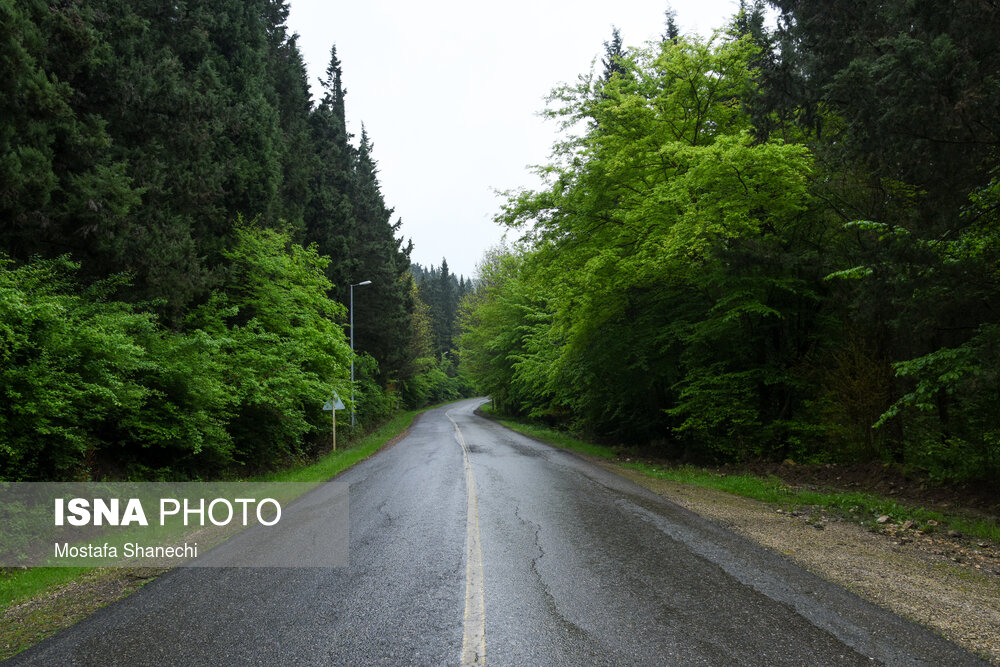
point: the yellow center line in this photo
(474, 637)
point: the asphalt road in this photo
(470, 543)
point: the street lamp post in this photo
(366, 282)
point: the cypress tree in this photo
(671, 31)
(63, 190)
(290, 96)
(378, 255)
(441, 291)
(329, 212)
(348, 219)
(182, 138)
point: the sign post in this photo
(333, 405)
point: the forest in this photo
(180, 226)
(779, 242)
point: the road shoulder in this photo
(911, 579)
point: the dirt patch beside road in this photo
(28, 622)
(949, 584)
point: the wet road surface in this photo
(472, 544)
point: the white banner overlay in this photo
(192, 524)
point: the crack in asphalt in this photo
(544, 587)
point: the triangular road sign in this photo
(336, 403)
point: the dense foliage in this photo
(442, 291)
(766, 244)
(437, 378)
(146, 331)
(86, 379)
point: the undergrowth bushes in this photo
(91, 387)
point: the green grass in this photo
(864, 507)
(551, 436)
(342, 459)
(17, 585)
(560, 439)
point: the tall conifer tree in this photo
(329, 214)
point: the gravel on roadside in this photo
(947, 583)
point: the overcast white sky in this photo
(449, 91)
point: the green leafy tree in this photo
(135, 137)
(495, 319)
(282, 347)
(95, 388)
(68, 366)
(670, 263)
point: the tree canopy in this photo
(180, 225)
(764, 244)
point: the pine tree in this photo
(614, 52)
(292, 99)
(378, 255)
(349, 221)
(181, 137)
(441, 291)
(912, 83)
(329, 212)
(671, 31)
(63, 190)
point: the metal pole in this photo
(352, 357)
(353, 285)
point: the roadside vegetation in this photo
(780, 242)
(180, 225)
(861, 507)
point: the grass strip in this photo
(336, 462)
(16, 585)
(865, 507)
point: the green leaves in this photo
(94, 388)
(691, 280)
(662, 297)
(135, 137)
(69, 369)
(280, 346)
